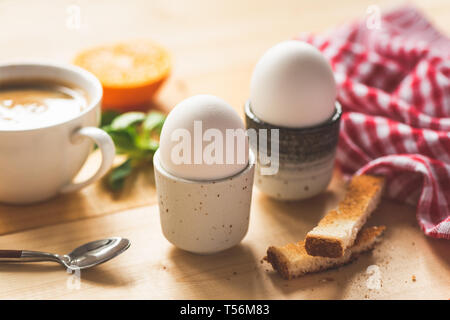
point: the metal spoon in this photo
(83, 257)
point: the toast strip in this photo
(338, 229)
(293, 261)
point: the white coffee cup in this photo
(41, 162)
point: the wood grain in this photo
(153, 269)
(95, 200)
(214, 45)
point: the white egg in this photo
(293, 86)
(193, 142)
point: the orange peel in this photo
(130, 72)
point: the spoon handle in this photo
(26, 256)
(10, 254)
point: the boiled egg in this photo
(293, 86)
(203, 138)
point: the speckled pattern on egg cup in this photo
(204, 217)
(306, 157)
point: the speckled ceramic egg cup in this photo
(306, 157)
(204, 217)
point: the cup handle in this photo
(107, 148)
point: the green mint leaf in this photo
(116, 177)
(127, 119)
(151, 128)
(108, 116)
(136, 135)
(154, 121)
(125, 139)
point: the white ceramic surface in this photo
(296, 181)
(305, 157)
(39, 163)
(204, 217)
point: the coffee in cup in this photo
(30, 104)
(49, 118)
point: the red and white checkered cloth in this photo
(394, 86)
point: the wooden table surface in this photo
(215, 45)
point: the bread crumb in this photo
(413, 278)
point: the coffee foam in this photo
(28, 106)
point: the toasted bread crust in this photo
(362, 197)
(278, 262)
(369, 234)
(283, 259)
(359, 193)
(324, 247)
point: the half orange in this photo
(130, 72)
